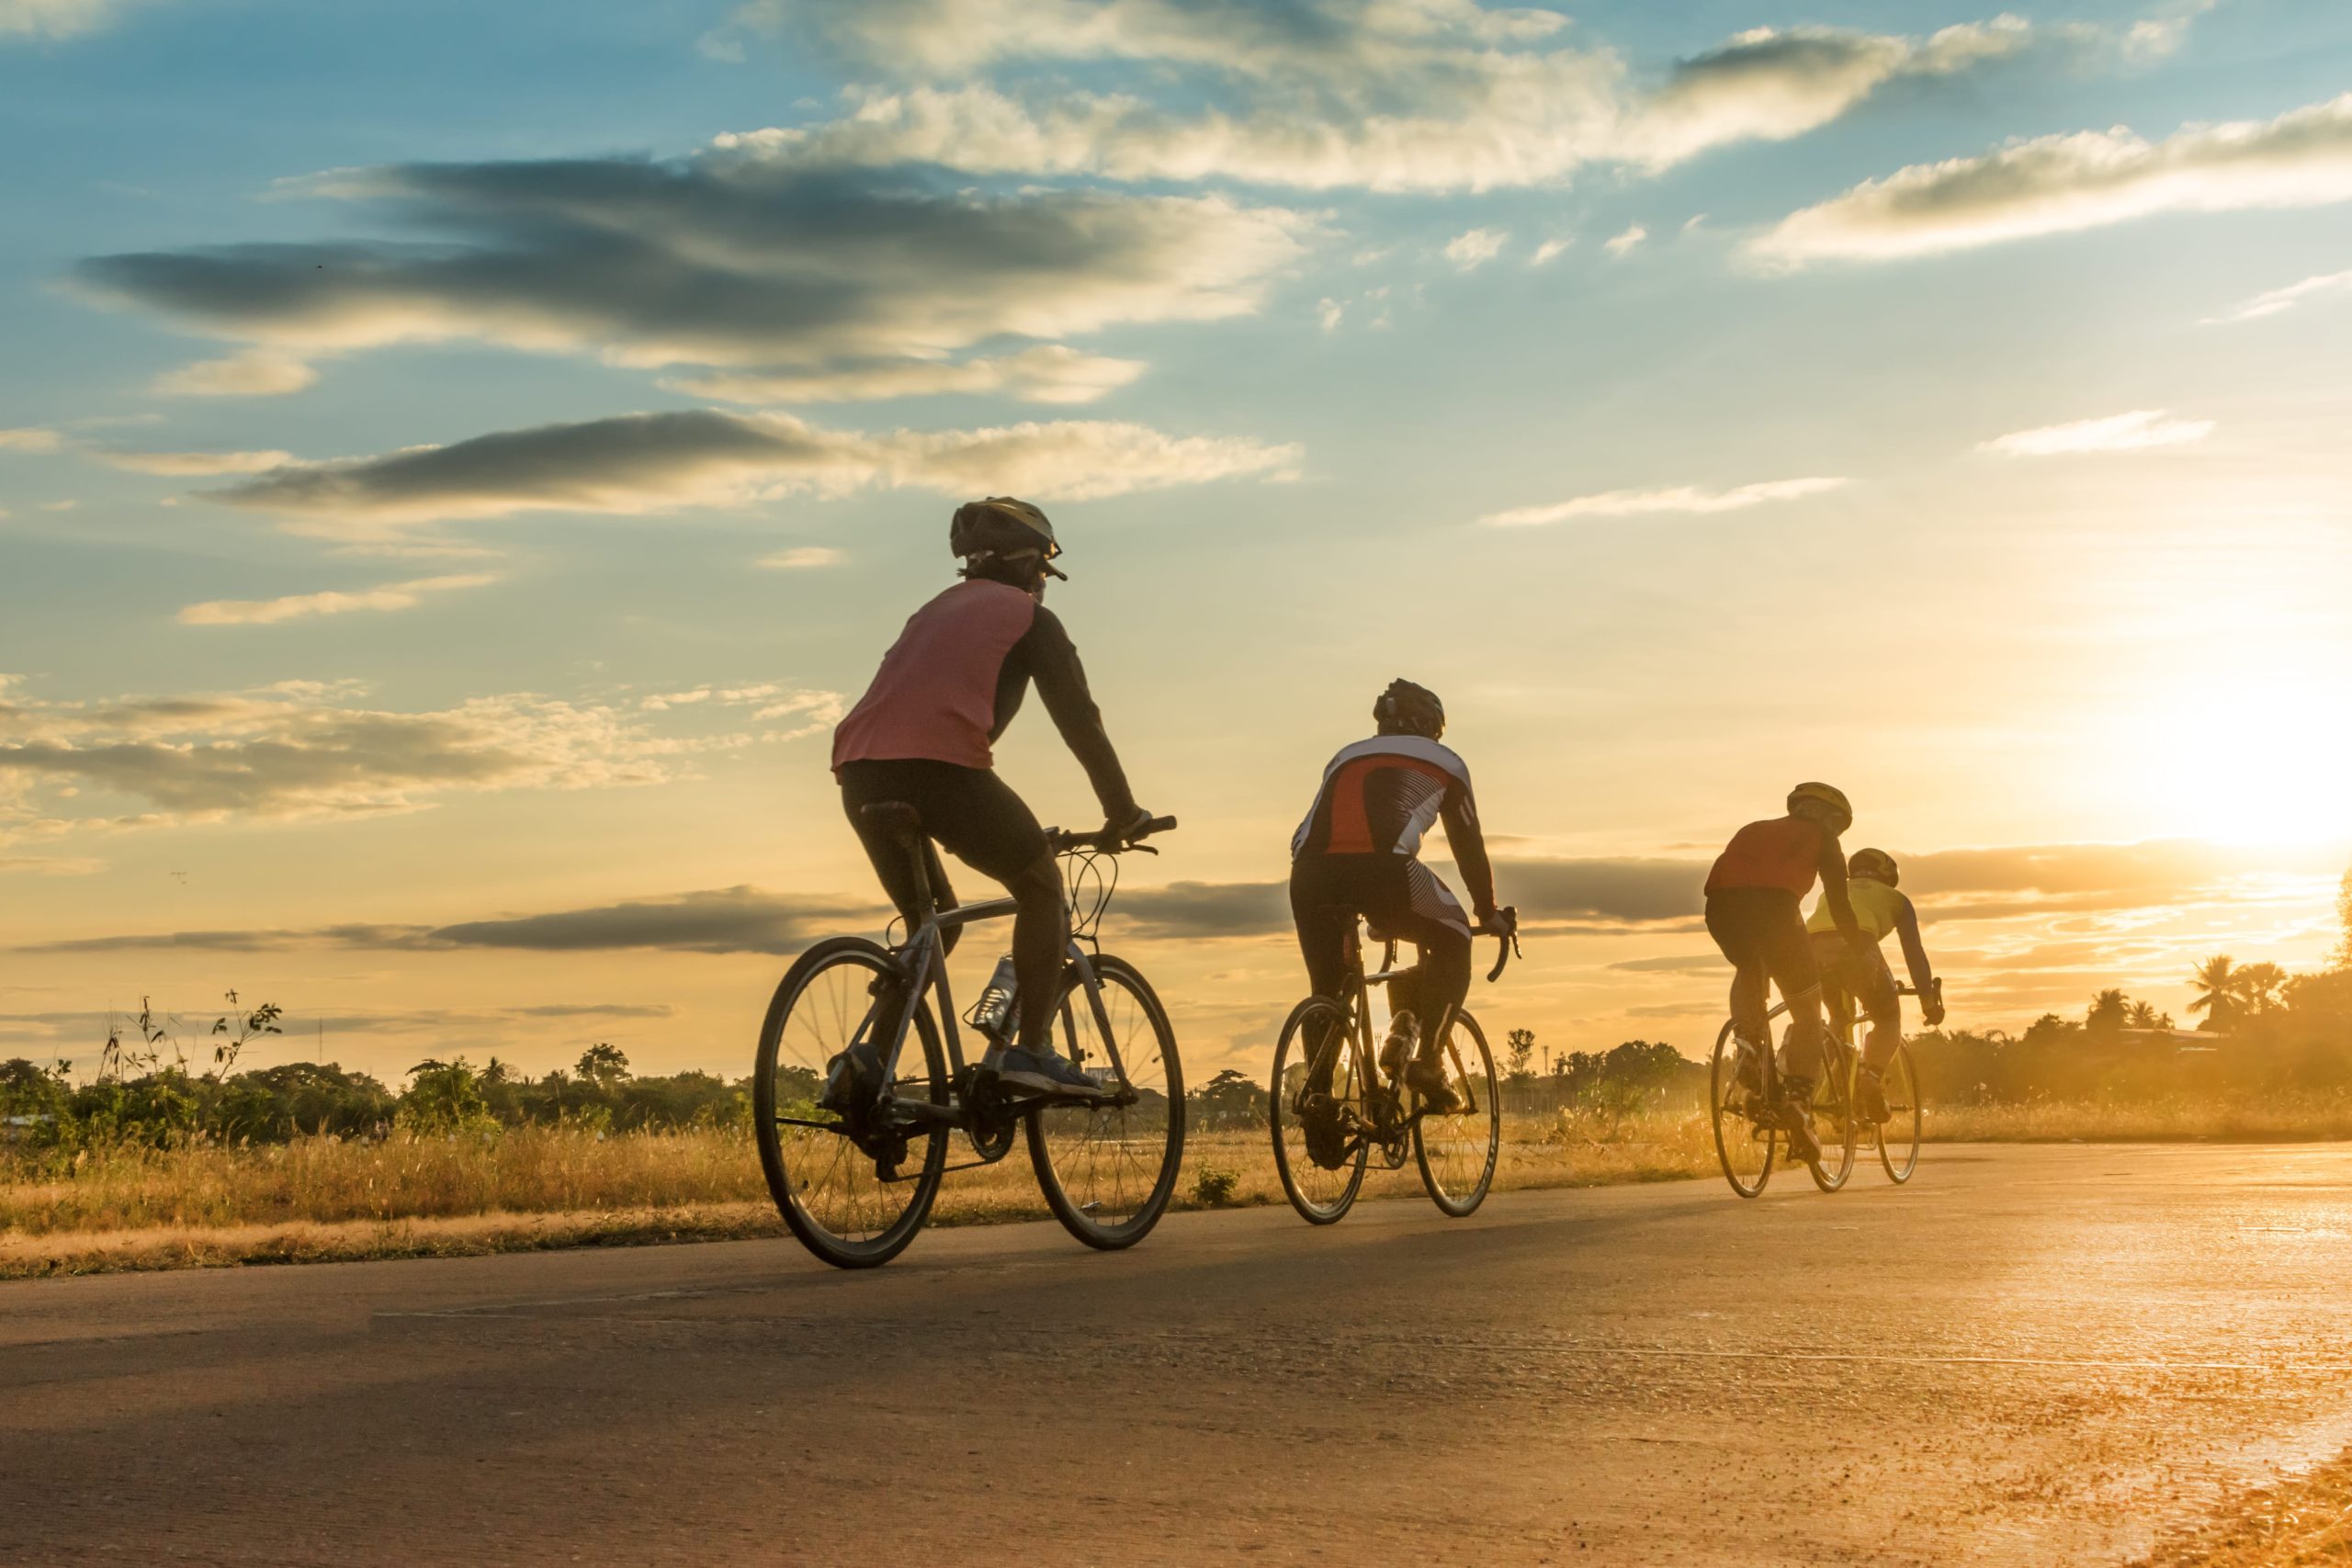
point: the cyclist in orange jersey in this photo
(1754, 912)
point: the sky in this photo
(457, 462)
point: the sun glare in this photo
(2257, 757)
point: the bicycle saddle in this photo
(895, 817)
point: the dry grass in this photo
(321, 1199)
(2286, 1117)
(535, 1187)
(2300, 1524)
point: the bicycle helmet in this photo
(1000, 528)
(1841, 811)
(1405, 709)
(1876, 864)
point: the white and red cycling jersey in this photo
(1381, 797)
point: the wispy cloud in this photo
(2138, 431)
(802, 558)
(653, 462)
(1686, 498)
(252, 373)
(31, 439)
(2051, 185)
(1049, 373)
(305, 749)
(2275, 301)
(1477, 247)
(831, 286)
(57, 19)
(1548, 249)
(1428, 95)
(1621, 243)
(195, 465)
(307, 606)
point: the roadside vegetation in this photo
(2304, 1523)
(169, 1154)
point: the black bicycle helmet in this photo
(1000, 528)
(1406, 708)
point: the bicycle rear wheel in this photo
(1108, 1171)
(1898, 1135)
(1745, 1135)
(1834, 1119)
(847, 1206)
(1457, 1152)
(1321, 1192)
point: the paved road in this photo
(2031, 1356)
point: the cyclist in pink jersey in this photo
(924, 733)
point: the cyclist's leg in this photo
(984, 824)
(1734, 937)
(1883, 1005)
(1316, 902)
(1788, 955)
(1434, 922)
(871, 784)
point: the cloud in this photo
(2052, 185)
(802, 558)
(1547, 250)
(1622, 244)
(2277, 300)
(31, 440)
(56, 18)
(731, 919)
(196, 465)
(1049, 373)
(1477, 247)
(302, 749)
(2135, 432)
(1397, 96)
(253, 373)
(842, 283)
(655, 462)
(1771, 85)
(1687, 499)
(305, 606)
(1205, 908)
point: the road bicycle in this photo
(1744, 1085)
(856, 1184)
(1331, 1108)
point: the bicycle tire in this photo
(1734, 1129)
(1904, 1118)
(824, 1196)
(1060, 1135)
(1834, 1102)
(1303, 1181)
(1457, 1140)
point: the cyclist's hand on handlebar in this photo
(1137, 822)
(1503, 922)
(1931, 1007)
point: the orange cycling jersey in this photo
(1783, 851)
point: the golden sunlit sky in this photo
(456, 463)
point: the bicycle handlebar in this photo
(1106, 840)
(1506, 942)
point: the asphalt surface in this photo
(2030, 1354)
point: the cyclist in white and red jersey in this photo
(1358, 852)
(923, 734)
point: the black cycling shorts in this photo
(970, 811)
(1863, 976)
(1763, 928)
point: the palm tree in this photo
(2258, 985)
(2107, 1012)
(2217, 996)
(2142, 1015)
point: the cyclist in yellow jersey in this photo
(1860, 971)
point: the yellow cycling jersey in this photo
(1876, 908)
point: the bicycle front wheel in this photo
(1745, 1135)
(1108, 1171)
(850, 1206)
(1318, 1047)
(1457, 1151)
(1898, 1135)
